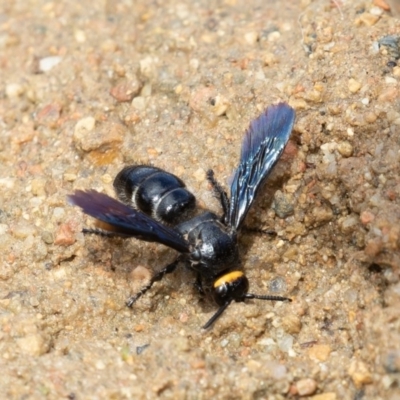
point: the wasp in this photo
(155, 206)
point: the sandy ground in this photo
(88, 87)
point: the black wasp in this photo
(158, 207)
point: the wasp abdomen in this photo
(155, 192)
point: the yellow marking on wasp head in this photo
(228, 278)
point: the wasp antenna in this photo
(263, 297)
(216, 315)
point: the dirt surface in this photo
(88, 87)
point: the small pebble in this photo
(370, 117)
(100, 365)
(14, 90)
(375, 200)
(69, 177)
(153, 152)
(200, 175)
(320, 352)
(48, 63)
(354, 86)
(285, 343)
(373, 247)
(106, 178)
(33, 301)
(345, 149)
(22, 230)
(365, 101)
(109, 46)
(47, 237)
(64, 235)
(251, 37)
(348, 224)
(283, 205)
(194, 64)
(147, 66)
(306, 387)
(274, 36)
(80, 36)
(108, 135)
(140, 273)
(7, 183)
(32, 345)
(126, 91)
(388, 94)
(366, 217)
(291, 324)
(322, 214)
(324, 396)
(391, 361)
(393, 117)
(376, 11)
(139, 103)
(83, 126)
(221, 105)
(58, 214)
(359, 373)
(314, 95)
(3, 229)
(270, 59)
(298, 104)
(382, 4)
(38, 187)
(366, 19)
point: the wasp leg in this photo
(269, 232)
(198, 284)
(220, 192)
(157, 277)
(216, 315)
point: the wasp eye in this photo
(222, 290)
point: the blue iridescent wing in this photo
(262, 146)
(126, 221)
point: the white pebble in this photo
(48, 63)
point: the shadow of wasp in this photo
(155, 206)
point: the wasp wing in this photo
(262, 146)
(126, 221)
